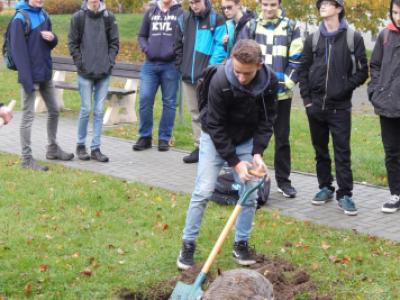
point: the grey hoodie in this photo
(93, 41)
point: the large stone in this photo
(239, 284)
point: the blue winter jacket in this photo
(31, 54)
(199, 42)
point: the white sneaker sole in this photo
(182, 266)
(348, 213)
(244, 262)
(389, 210)
(285, 195)
(318, 203)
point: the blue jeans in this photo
(152, 76)
(210, 164)
(88, 88)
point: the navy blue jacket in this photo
(156, 36)
(32, 54)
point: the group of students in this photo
(260, 59)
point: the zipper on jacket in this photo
(327, 77)
(194, 50)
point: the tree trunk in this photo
(239, 284)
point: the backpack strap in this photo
(213, 21)
(107, 23)
(82, 18)
(27, 19)
(315, 38)
(350, 44)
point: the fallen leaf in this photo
(121, 262)
(76, 254)
(120, 251)
(28, 289)
(345, 260)
(43, 268)
(333, 258)
(325, 245)
(158, 199)
(87, 272)
(48, 236)
(315, 265)
(98, 214)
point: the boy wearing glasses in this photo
(237, 17)
(328, 77)
(282, 46)
(199, 43)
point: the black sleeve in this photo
(376, 64)
(216, 119)
(74, 40)
(267, 116)
(304, 70)
(113, 39)
(361, 74)
(178, 46)
(144, 32)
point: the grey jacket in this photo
(384, 87)
(93, 41)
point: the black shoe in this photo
(82, 153)
(287, 190)
(242, 254)
(192, 157)
(97, 155)
(391, 205)
(163, 145)
(30, 163)
(142, 144)
(185, 258)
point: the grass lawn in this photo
(69, 234)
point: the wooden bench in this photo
(121, 108)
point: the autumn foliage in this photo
(62, 6)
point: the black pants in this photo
(338, 124)
(391, 144)
(282, 161)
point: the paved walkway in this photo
(166, 170)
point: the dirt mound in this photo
(287, 280)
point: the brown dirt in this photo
(287, 280)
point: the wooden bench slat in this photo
(74, 87)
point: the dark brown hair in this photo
(247, 52)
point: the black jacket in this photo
(234, 114)
(326, 80)
(384, 87)
(93, 50)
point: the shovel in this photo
(185, 291)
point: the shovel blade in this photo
(185, 291)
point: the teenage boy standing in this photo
(328, 77)
(31, 54)
(282, 46)
(384, 93)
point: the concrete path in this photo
(166, 170)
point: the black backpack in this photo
(226, 190)
(8, 60)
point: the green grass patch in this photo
(69, 234)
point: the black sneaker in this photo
(30, 163)
(392, 205)
(82, 153)
(287, 190)
(97, 155)
(142, 144)
(55, 152)
(242, 254)
(163, 145)
(185, 258)
(192, 157)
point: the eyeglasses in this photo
(193, 2)
(228, 7)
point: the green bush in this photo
(62, 6)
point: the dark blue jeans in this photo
(152, 76)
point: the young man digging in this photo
(236, 127)
(328, 77)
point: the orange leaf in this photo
(325, 245)
(87, 272)
(43, 268)
(28, 289)
(345, 260)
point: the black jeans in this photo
(391, 144)
(282, 160)
(338, 124)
